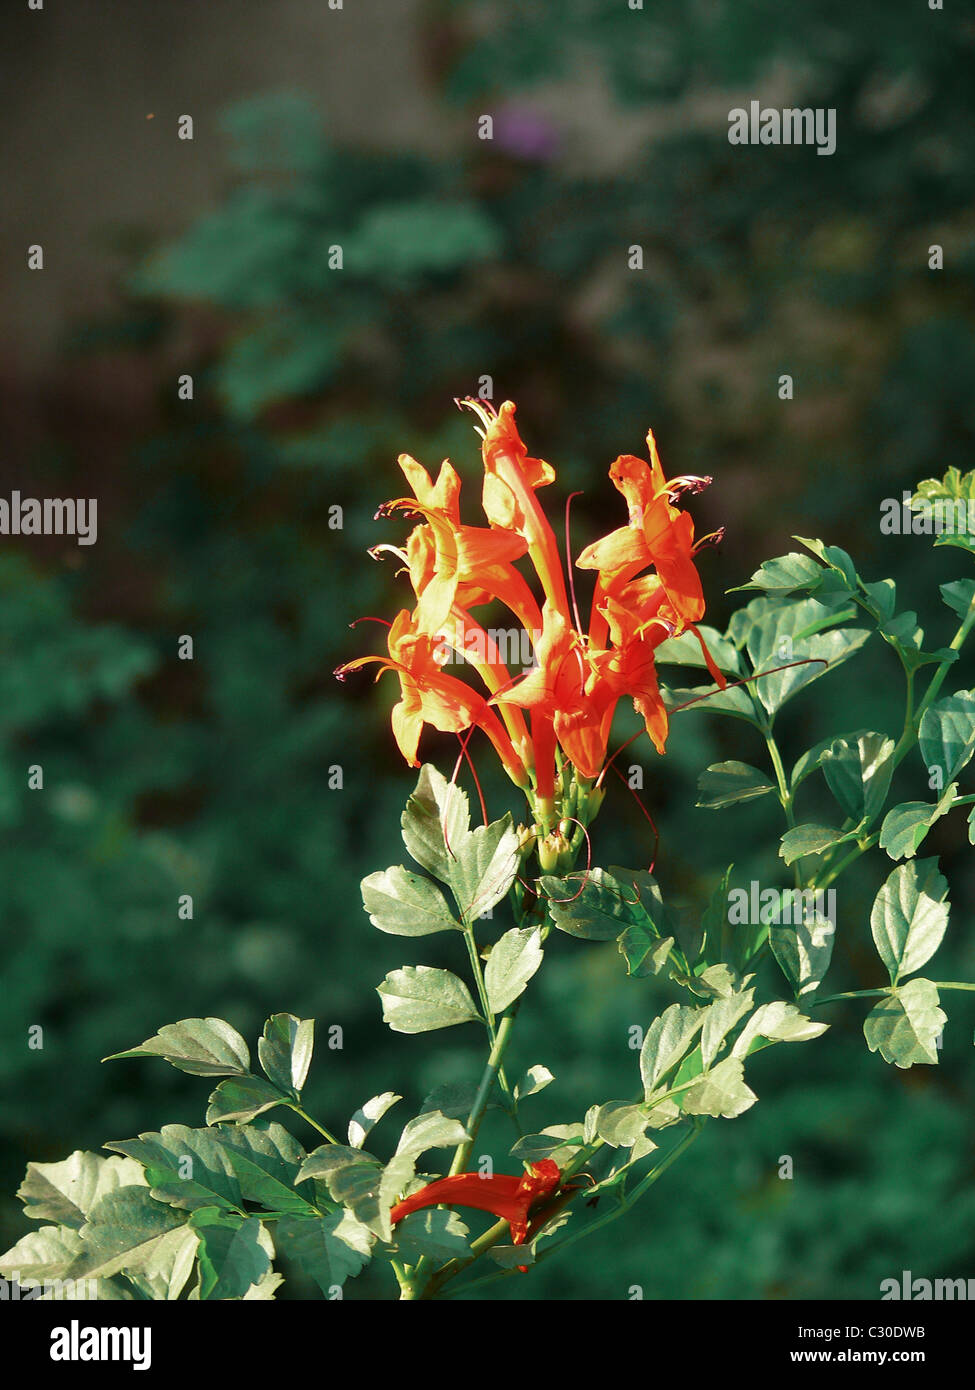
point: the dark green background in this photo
(465, 257)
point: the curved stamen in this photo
(569, 565)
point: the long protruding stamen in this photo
(646, 813)
(465, 753)
(569, 567)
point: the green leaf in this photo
(66, 1192)
(47, 1253)
(511, 964)
(944, 507)
(609, 901)
(370, 1114)
(785, 575)
(722, 1092)
(666, 1041)
(644, 952)
(589, 1124)
(906, 825)
(235, 1252)
(685, 650)
(947, 734)
(285, 1050)
(718, 982)
(786, 631)
(186, 1167)
(439, 1235)
(836, 558)
(883, 598)
(485, 866)
(453, 1098)
(803, 950)
(811, 839)
(265, 1288)
(858, 773)
(734, 701)
(266, 1162)
(719, 1019)
(779, 1022)
(904, 1027)
(330, 1248)
(436, 815)
(358, 1180)
(958, 596)
(200, 1046)
(724, 784)
(419, 998)
(535, 1079)
(808, 762)
(132, 1234)
(909, 916)
(241, 1099)
(561, 1142)
(432, 1131)
(404, 904)
(903, 634)
(620, 1124)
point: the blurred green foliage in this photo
(509, 259)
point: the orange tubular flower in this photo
(429, 696)
(506, 1195)
(509, 501)
(657, 534)
(564, 694)
(452, 563)
(647, 589)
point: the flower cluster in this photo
(560, 712)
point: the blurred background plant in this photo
(463, 258)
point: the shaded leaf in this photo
(329, 1248)
(947, 734)
(241, 1099)
(905, 826)
(811, 839)
(724, 784)
(858, 773)
(235, 1252)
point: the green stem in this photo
(785, 795)
(937, 680)
(463, 1152)
(314, 1123)
(491, 1071)
(850, 994)
(482, 995)
(861, 848)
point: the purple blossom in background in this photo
(526, 133)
